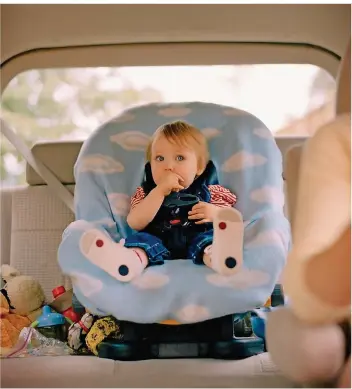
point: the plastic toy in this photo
(62, 303)
(51, 324)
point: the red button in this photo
(222, 225)
(99, 243)
(176, 221)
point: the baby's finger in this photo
(179, 177)
(203, 221)
(196, 216)
(198, 206)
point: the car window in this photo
(292, 100)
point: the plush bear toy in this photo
(10, 325)
(21, 300)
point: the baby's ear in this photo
(327, 275)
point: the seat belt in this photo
(51, 180)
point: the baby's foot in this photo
(227, 247)
(121, 262)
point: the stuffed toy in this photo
(310, 338)
(78, 331)
(21, 300)
(106, 327)
(11, 325)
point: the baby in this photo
(178, 161)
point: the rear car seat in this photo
(33, 218)
(38, 219)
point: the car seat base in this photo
(236, 348)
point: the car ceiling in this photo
(32, 27)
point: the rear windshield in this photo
(63, 104)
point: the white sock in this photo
(227, 247)
(121, 262)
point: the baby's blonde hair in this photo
(185, 135)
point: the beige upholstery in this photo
(59, 157)
(92, 372)
(38, 220)
(5, 225)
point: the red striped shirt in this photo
(220, 196)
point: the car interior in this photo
(79, 39)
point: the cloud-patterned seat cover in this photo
(108, 170)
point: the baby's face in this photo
(168, 156)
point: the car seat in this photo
(202, 303)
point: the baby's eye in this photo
(180, 158)
(159, 158)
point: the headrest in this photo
(59, 157)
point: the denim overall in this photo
(177, 242)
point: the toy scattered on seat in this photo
(62, 303)
(11, 324)
(78, 331)
(22, 298)
(51, 324)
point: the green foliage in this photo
(62, 104)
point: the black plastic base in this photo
(237, 348)
(228, 337)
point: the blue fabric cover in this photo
(108, 170)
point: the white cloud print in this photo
(79, 225)
(271, 237)
(88, 285)
(268, 194)
(174, 111)
(263, 133)
(150, 280)
(210, 132)
(242, 160)
(99, 163)
(193, 313)
(120, 203)
(131, 140)
(244, 279)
